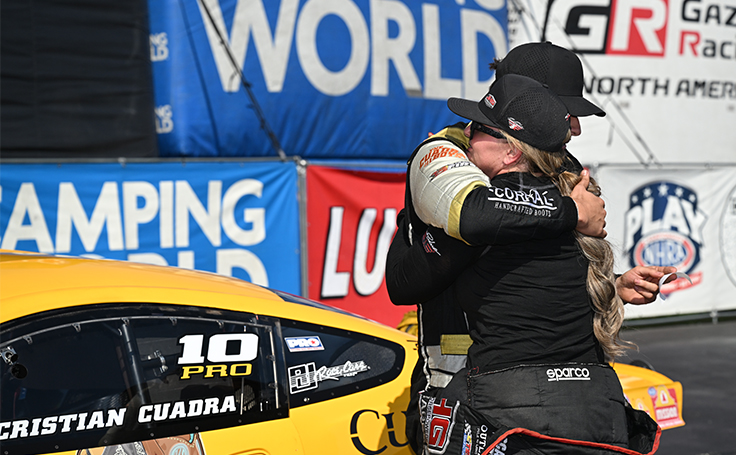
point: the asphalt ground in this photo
(702, 357)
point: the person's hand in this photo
(640, 285)
(591, 208)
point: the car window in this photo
(110, 375)
(326, 362)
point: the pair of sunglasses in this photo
(475, 126)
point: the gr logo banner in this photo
(623, 27)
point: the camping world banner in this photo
(232, 218)
(329, 78)
(684, 218)
(352, 220)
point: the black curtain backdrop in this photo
(75, 79)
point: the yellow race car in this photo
(108, 357)
(652, 392)
(161, 360)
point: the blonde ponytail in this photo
(601, 282)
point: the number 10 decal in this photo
(243, 348)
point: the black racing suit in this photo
(536, 380)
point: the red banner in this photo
(351, 219)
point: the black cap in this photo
(523, 108)
(555, 66)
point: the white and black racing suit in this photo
(439, 171)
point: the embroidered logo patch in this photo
(515, 124)
(490, 101)
(438, 419)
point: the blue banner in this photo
(234, 218)
(329, 78)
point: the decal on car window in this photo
(300, 344)
(224, 350)
(307, 376)
(246, 348)
(221, 371)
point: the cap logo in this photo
(515, 124)
(490, 101)
(567, 116)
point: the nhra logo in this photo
(664, 226)
(609, 26)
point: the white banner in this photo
(683, 217)
(663, 70)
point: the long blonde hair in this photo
(601, 282)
